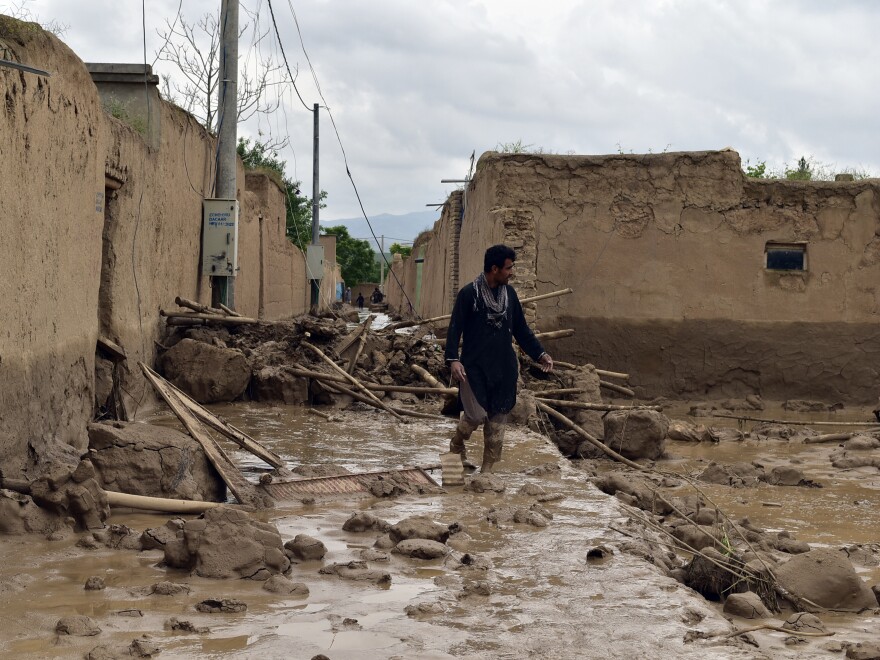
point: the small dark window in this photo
(786, 256)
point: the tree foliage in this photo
(257, 156)
(355, 257)
(403, 250)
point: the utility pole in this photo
(223, 288)
(316, 206)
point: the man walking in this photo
(488, 314)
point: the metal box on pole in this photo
(220, 237)
(315, 262)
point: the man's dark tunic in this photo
(487, 355)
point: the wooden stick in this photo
(375, 387)
(336, 387)
(426, 376)
(792, 422)
(564, 391)
(223, 427)
(114, 350)
(616, 388)
(197, 307)
(592, 406)
(231, 312)
(319, 413)
(770, 626)
(555, 334)
(143, 502)
(444, 317)
(586, 436)
(354, 336)
(362, 341)
(216, 318)
(600, 372)
(612, 374)
(162, 504)
(350, 378)
(244, 491)
(830, 437)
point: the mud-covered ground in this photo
(526, 591)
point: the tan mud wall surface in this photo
(666, 254)
(59, 151)
(51, 188)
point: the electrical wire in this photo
(344, 155)
(286, 63)
(137, 220)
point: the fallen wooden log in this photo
(374, 387)
(226, 429)
(616, 388)
(355, 334)
(350, 378)
(362, 341)
(114, 350)
(426, 376)
(231, 312)
(830, 437)
(141, 502)
(555, 414)
(592, 406)
(183, 322)
(341, 389)
(213, 318)
(161, 504)
(564, 391)
(197, 307)
(241, 488)
(792, 422)
(444, 317)
(319, 413)
(612, 374)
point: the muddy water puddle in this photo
(538, 598)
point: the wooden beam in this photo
(244, 491)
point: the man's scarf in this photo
(496, 309)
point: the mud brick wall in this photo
(100, 227)
(51, 214)
(666, 255)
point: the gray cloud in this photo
(415, 86)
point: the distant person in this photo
(360, 301)
(346, 297)
(487, 313)
(377, 296)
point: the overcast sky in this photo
(416, 86)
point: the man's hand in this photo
(546, 363)
(458, 371)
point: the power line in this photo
(344, 155)
(289, 72)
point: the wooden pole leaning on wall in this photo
(227, 430)
(244, 491)
(342, 372)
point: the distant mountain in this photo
(396, 228)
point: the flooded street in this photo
(537, 597)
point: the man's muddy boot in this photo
(493, 441)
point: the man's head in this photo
(498, 264)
